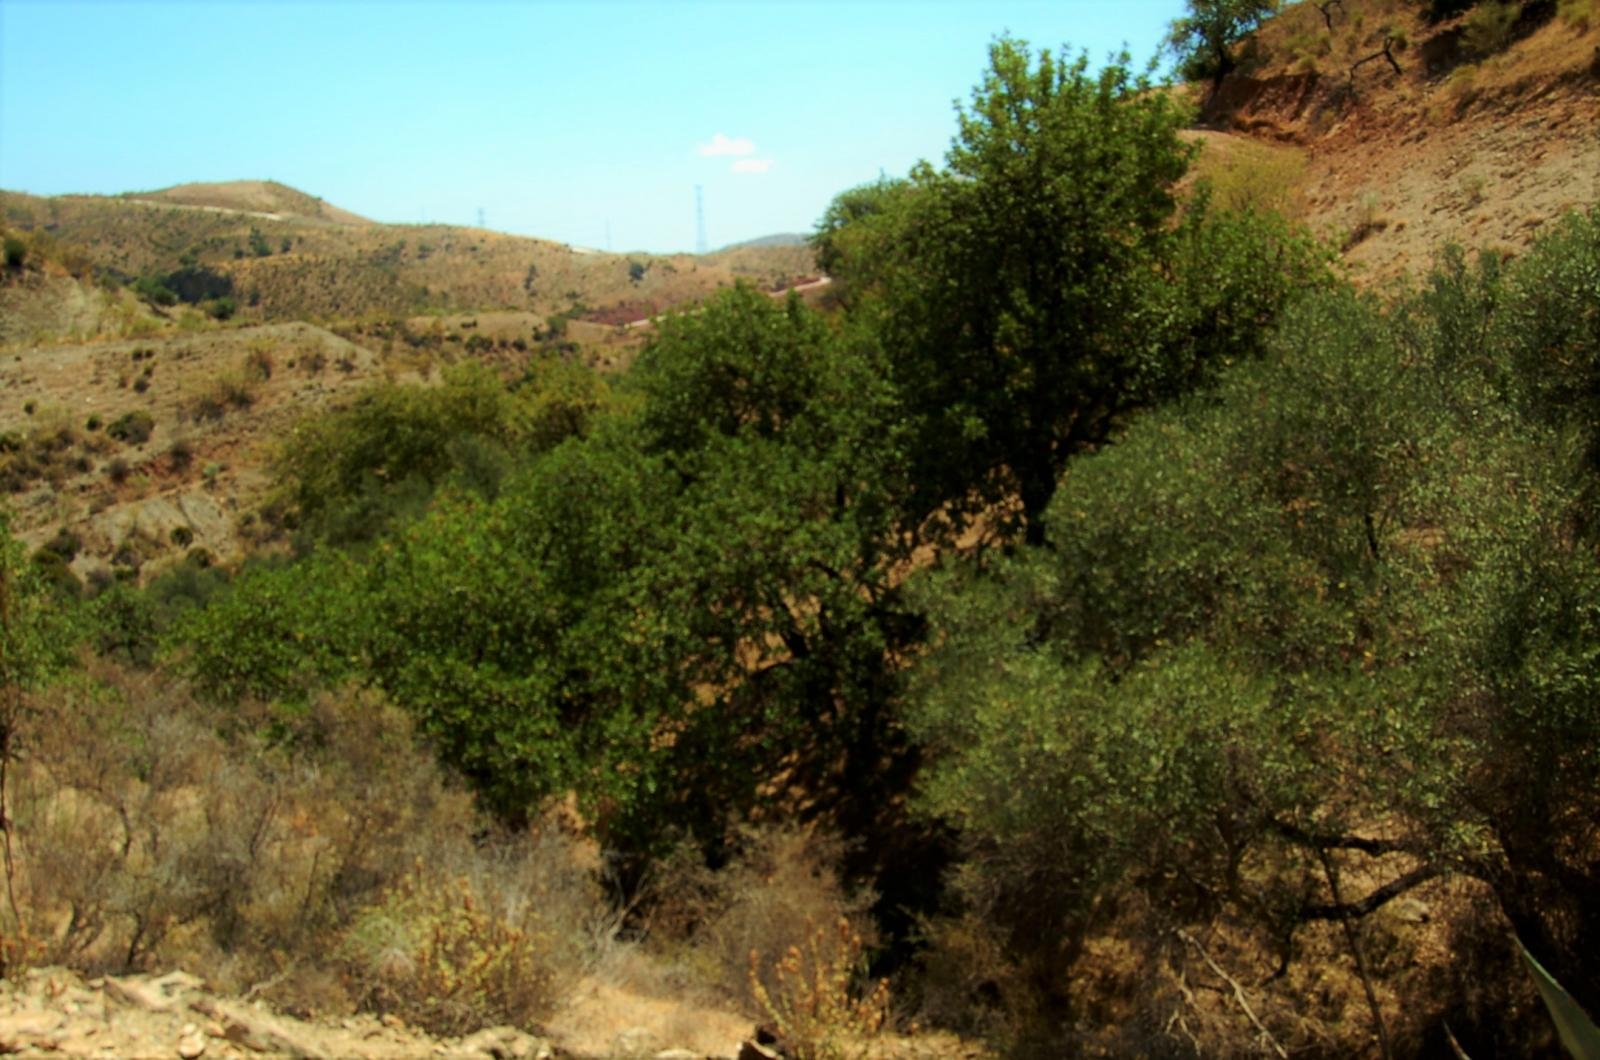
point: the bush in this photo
(152, 829)
(16, 252)
(1488, 29)
(450, 956)
(180, 453)
(132, 428)
(816, 1003)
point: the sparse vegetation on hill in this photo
(1109, 626)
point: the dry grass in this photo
(280, 850)
(818, 1004)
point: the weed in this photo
(449, 956)
(815, 1003)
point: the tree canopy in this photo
(1202, 42)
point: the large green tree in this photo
(1341, 610)
(1040, 286)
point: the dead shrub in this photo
(782, 883)
(450, 955)
(817, 1002)
(154, 829)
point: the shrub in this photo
(1488, 29)
(181, 453)
(450, 956)
(132, 428)
(16, 252)
(258, 364)
(154, 829)
(1579, 14)
(816, 1004)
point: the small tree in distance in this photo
(1203, 41)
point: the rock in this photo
(678, 1054)
(257, 1031)
(503, 1043)
(191, 1046)
(633, 1042)
(137, 994)
(749, 1050)
(17, 1029)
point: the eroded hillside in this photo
(1479, 139)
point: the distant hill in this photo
(287, 255)
(779, 239)
(250, 196)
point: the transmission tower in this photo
(480, 218)
(699, 220)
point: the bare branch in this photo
(1337, 910)
(1238, 992)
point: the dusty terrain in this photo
(56, 1012)
(1392, 167)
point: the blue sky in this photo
(588, 123)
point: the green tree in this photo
(1038, 289)
(1203, 41)
(1351, 584)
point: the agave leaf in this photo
(1455, 1046)
(1578, 1032)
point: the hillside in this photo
(1482, 144)
(281, 255)
(1083, 625)
(265, 198)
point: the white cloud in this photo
(725, 145)
(752, 165)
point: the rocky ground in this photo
(56, 1012)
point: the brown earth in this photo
(1485, 153)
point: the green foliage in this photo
(155, 291)
(1578, 1031)
(645, 614)
(1014, 288)
(351, 473)
(35, 633)
(1344, 586)
(1037, 291)
(1202, 42)
(132, 428)
(276, 633)
(16, 252)
(1488, 28)
(846, 242)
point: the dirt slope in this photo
(1481, 150)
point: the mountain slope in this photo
(1463, 145)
